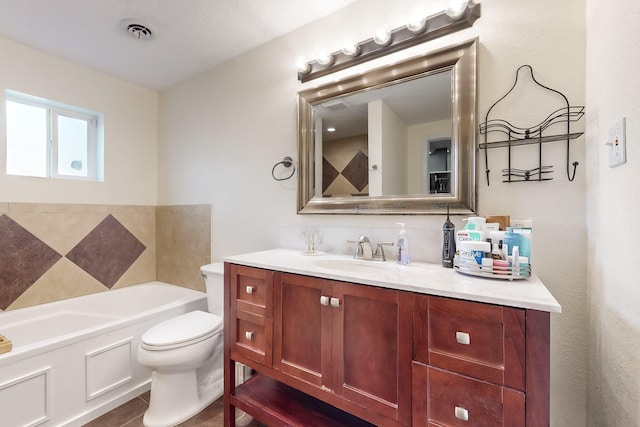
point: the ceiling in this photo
(416, 101)
(188, 36)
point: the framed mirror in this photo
(394, 140)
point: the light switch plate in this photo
(617, 144)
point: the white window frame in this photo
(54, 110)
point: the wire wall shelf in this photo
(511, 136)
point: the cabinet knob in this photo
(462, 414)
(248, 335)
(335, 302)
(250, 289)
(463, 338)
(324, 300)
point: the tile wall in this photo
(50, 252)
(345, 167)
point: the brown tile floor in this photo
(130, 415)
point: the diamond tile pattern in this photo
(329, 174)
(25, 258)
(357, 171)
(107, 251)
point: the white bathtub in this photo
(74, 360)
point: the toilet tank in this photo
(213, 275)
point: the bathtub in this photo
(74, 360)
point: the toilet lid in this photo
(182, 330)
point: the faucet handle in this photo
(379, 254)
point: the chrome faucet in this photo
(364, 249)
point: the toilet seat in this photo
(181, 331)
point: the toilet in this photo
(185, 354)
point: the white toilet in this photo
(186, 356)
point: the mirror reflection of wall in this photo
(438, 161)
(345, 166)
(370, 142)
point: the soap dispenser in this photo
(402, 246)
(448, 242)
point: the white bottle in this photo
(402, 246)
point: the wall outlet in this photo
(617, 144)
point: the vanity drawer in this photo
(251, 336)
(483, 341)
(443, 398)
(252, 290)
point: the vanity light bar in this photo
(435, 26)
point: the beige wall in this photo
(222, 131)
(613, 92)
(130, 135)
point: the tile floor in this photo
(130, 415)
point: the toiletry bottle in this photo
(402, 246)
(448, 242)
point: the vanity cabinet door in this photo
(302, 323)
(372, 349)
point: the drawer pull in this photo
(462, 414)
(463, 338)
(248, 335)
(335, 302)
(324, 300)
(250, 289)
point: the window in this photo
(48, 139)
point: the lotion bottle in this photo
(402, 246)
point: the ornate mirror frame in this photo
(461, 60)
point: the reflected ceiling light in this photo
(382, 36)
(302, 65)
(456, 8)
(417, 24)
(324, 57)
(350, 48)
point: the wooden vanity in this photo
(336, 342)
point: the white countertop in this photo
(431, 279)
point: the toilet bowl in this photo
(185, 354)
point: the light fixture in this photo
(382, 36)
(417, 24)
(350, 48)
(460, 15)
(331, 129)
(324, 57)
(302, 65)
(456, 8)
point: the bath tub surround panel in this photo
(92, 248)
(23, 259)
(50, 251)
(107, 251)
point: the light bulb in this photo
(416, 24)
(382, 36)
(456, 8)
(350, 48)
(324, 57)
(302, 65)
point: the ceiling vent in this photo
(136, 29)
(139, 31)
